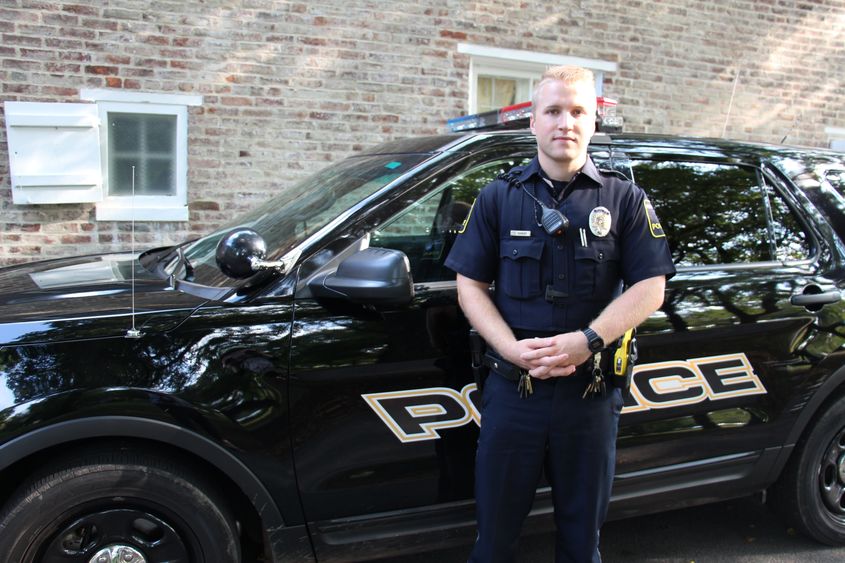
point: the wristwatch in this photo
(594, 341)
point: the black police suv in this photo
(297, 385)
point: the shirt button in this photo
(560, 247)
(515, 252)
(601, 255)
(560, 276)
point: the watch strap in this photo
(594, 341)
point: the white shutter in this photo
(54, 152)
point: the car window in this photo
(426, 230)
(716, 213)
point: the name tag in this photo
(520, 233)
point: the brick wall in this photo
(289, 86)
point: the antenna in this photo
(133, 332)
(731, 103)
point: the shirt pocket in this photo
(597, 270)
(519, 274)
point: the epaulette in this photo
(611, 172)
(511, 176)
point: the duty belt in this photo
(510, 371)
(521, 376)
(503, 367)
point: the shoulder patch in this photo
(653, 222)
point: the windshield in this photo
(304, 208)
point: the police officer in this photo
(559, 238)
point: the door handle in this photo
(816, 299)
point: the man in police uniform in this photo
(557, 304)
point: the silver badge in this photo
(600, 221)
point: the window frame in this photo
(519, 65)
(144, 207)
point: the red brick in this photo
(75, 239)
(81, 10)
(460, 35)
(204, 206)
(100, 69)
(118, 59)
(236, 101)
(156, 40)
(114, 82)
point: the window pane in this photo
(790, 239)
(711, 213)
(158, 177)
(124, 132)
(504, 92)
(120, 176)
(426, 230)
(484, 98)
(161, 133)
(147, 142)
(494, 92)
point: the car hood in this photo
(38, 299)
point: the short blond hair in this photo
(566, 74)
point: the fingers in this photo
(550, 361)
(547, 372)
(538, 348)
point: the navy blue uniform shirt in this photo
(546, 284)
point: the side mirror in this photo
(376, 276)
(241, 253)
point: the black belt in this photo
(513, 372)
(503, 367)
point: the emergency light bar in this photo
(517, 117)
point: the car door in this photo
(719, 362)
(383, 397)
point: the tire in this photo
(94, 504)
(810, 493)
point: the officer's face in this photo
(564, 120)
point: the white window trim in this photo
(140, 207)
(522, 64)
(104, 95)
(836, 138)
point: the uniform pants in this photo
(574, 438)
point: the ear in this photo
(531, 122)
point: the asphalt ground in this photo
(738, 531)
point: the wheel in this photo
(117, 506)
(811, 492)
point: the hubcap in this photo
(832, 476)
(118, 554)
(121, 535)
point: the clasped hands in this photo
(555, 356)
